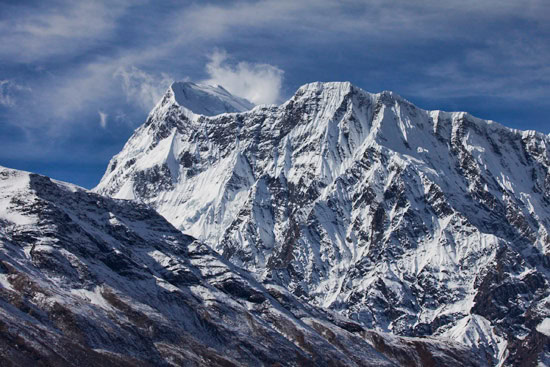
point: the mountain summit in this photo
(409, 221)
(206, 99)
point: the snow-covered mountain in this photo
(409, 221)
(91, 281)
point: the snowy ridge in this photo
(91, 281)
(405, 220)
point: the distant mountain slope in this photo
(409, 221)
(90, 281)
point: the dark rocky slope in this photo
(87, 280)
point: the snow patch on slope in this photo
(12, 183)
(477, 333)
(544, 327)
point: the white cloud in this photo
(6, 98)
(67, 95)
(513, 69)
(60, 100)
(259, 83)
(8, 89)
(31, 33)
(329, 20)
(102, 119)
(143, 88)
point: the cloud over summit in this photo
(259, 83)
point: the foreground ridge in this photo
(87, 280)
(409, 221)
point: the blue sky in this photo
(76, 78)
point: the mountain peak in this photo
(206, 99)
(326, 88)
(326, 85)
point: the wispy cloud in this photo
(62, 99)
(63, 28)
(142, 88)
(259, 83)
(102, 119)
(8, 91)
(70, 93)
(514, 69)
(396, 20)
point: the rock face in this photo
(91, 281)
(408, 221)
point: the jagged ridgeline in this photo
(414, 222)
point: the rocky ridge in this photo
(87, 280)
